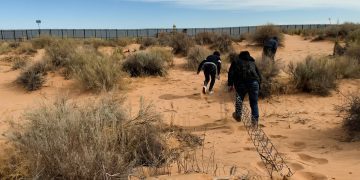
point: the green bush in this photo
(316, 76)
(206, 38)
(33, 77)
(146, 63)
(94, 140)
(95, 72)
(195, 56)
(265, 32)
(223, 43)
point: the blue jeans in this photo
(251, 87)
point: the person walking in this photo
(211, 67)
(246, 78)
(270, 48)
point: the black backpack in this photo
(247, 70)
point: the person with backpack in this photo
(211, 67)
(246, 78)
(270, 47)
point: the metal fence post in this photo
(84, 33)
(248, 29)
(116, 33)
(62, 33)
(73, 33)
(2, 36)
(14, 36)
(27, 36)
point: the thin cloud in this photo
(261, 4)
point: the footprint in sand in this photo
(278, 136)
(298, 146)
(311, 159)
(313, 176)
(296, 166)
(249, 149)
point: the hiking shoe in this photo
(211, 92)
(204, 89)
(236, 117)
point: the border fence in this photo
(26, 34)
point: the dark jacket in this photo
(243, 69)
(271, 44)
(211, 63)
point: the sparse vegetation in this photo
(269, 69)
(60, 52)
(195, 56)
(352, 118)
(347, 67)
(223, 43)
(4, 47)
(206, 38)
(181, 43)
(265, 32)
(33, 77)
(19, 62)
(92, 140)
(314, 76)
(154, 62)
(42, 42)
(95, 72)
(147, 42)
(25, 48)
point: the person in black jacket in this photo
(211, 67)
(246, 78)
(270, 47)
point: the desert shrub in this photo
(145, 63)
(314, 76)
(265, 32)
(223, 43)
(347, 67)
(181, 43)
(118, 54)
(14, 45)
(353, 51)
(25, 48)
(320, 37)
(165, 39)
(340, 31)
(195, 56)
(205, 38)
(42, 42)
(94, 140)
(352, 118)
(33, 77)
(354, 36)
(162, 54)
(4, 48)
(95, 72)
(60, 52)
(19, 62)
(96, 42)
(147, 42)
(269, 69)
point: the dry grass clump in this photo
(223, 43)
(181, 43)
(154, 62)
(60, 52)
(316, 76)
(118, 54)
(195, 56)
(352, 118)
(95, 140)
(340, 31)
(94, 71)
(269, 69)
(265, 32)
(4, 47)
(353, 51)
(206, 38)
(42, 42)
(25, 48)
(19, 62)
(147, 42)
(347, 67)
(96, 42)
(33, 77)
(165, 39)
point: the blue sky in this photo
(126, 14)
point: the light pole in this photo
(38, 22)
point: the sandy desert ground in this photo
(305, 128)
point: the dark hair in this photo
(276, 38)
(217, 53)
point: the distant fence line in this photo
(27, 34)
